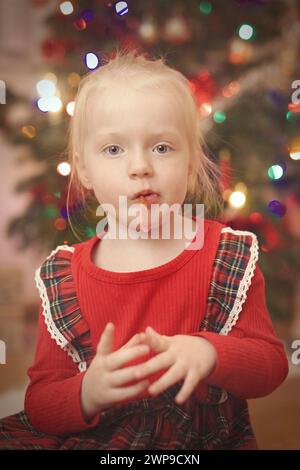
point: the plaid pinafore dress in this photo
(218, 420)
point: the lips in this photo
(149, 199)
(146, 194)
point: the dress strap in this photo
(60, 306)
(233, 269)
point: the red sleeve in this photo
(251, 360)
(52, 399)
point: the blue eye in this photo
(116, 147)
(163, 145)
(111, 146)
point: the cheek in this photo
(178, 175)
(106, 190)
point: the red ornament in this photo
(203, 86)
(262, 227)
(60, 224)
(80, 24)
(129, 41)
(294, 107)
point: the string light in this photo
(294, 107)
(87, 15)
(246, 32)
(121, 8)
(275, 172)
(51, 77)
(295, 148)
(205, 109)
(29, 131)
(51, 103)
(205, 8)
(48, 101)
(240, 52)
(45, 88)
(295, 155)
(277, 208)
(219, 117)
(91, 60)
(73, 79)
(60, 224)
(237, 199)
(63, 168)
(241, 187)
(231, 89)
(66, 8)
(70, 108)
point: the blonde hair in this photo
(139, 71)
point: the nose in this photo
(139, 164)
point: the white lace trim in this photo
(51, 327)
(245, 282)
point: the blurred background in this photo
(242, 59)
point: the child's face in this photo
(134, 158)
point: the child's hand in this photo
(102, 385)
(190, 358)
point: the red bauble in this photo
(262, 227)
(203, 86)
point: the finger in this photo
(117, 359)
(143, 337)
(191, 381)
(155, 340)
(133, 341)
(162, 361)
(122, 376)
(105, 344)
(118, 394)
(171, 377)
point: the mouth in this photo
(146, 197)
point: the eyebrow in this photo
(156, 134)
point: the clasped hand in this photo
(188, 358)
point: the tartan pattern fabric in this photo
(221, 422)
(228, 287)
(63, 318)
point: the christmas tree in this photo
(242, 61)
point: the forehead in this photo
(131, 109)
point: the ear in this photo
(82, 172)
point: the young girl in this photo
(144, 342)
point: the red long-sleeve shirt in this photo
(251, 360)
